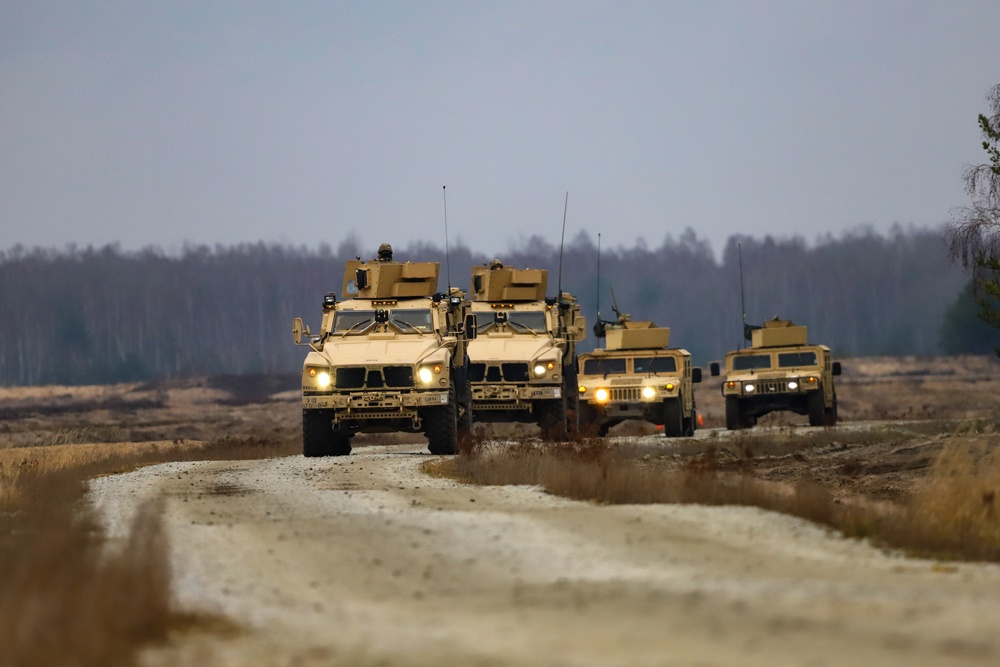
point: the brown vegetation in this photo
(69, 598)
(948, 510)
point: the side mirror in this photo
(836, 368)
(361, 279)
(695, 374)
(713, 369)
(477, 283)
(298, 330)
(471, 327)
(329, 301)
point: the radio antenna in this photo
(598, 275)
(743, 303)
(447, 258)
(562, 243)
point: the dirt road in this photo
(366, 560)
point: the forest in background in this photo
(98, 315)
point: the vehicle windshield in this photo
(526, 321)
(410, 320)
(655, 365)
(746, 362)
(353, 321)
(604, 367)
(788, 359)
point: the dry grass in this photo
(68, 600)
(952, 514)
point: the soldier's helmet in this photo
(385, 252)
(496, 264)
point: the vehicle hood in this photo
(360, 351)
(520, 348)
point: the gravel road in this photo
(365, 560)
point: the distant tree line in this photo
(100, 315)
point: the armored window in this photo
(353, 321)
(655, 365)
(528, 321)
(604, 367)
(746, 362)
(417, 319)
(790, 359)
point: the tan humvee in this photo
(391, 356)
(637, 376)
(523, 363)
(779, 371)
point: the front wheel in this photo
(673, 420)
(817, 411)
(441, 427)
(319, 438)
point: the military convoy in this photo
(638, 376)
(523, 362)
(390, 356)
(395, 354)
(779, 371)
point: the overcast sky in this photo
(302, 122)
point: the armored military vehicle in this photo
(779, 371)
(390, 356)
(638, 376)
(523, 364)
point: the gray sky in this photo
(302, 122)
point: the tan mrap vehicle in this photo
(779, 371)
(523, 362)
(389, 357)
(637, 376)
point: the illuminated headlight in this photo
(543, 367)
(748, 388)
(582, 389)
(601, 395)
(648, 392)
(793, 385)
(669, 386)
(425, 374)
(810, 380)
(321, 377)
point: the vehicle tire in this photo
(551, 417)
(734, 420)
(830, 416)
(441, 427)
(814, 403)
(570, 390)
(319, 438)
(691, 423)
(673, 421)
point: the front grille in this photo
(350, 378)
(515, 372)
(362, 378)
(625, 394)
(771, 386)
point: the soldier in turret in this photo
(384, 253)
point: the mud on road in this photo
(367, 560)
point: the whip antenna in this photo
(447, 258)
(562, 243)
(743, 303)
(598, 275)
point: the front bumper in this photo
(510, 396)
(366, 402)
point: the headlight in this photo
(425, 374)
(748, 388)
(323, 379)
(601, 395)
(669, 386)
(582, 389)
(810, 380)
(648, 392)
(793, 385)
(539, 370)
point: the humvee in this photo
(637, 376)
(779, 371)
(523, 363)
(390, 356)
